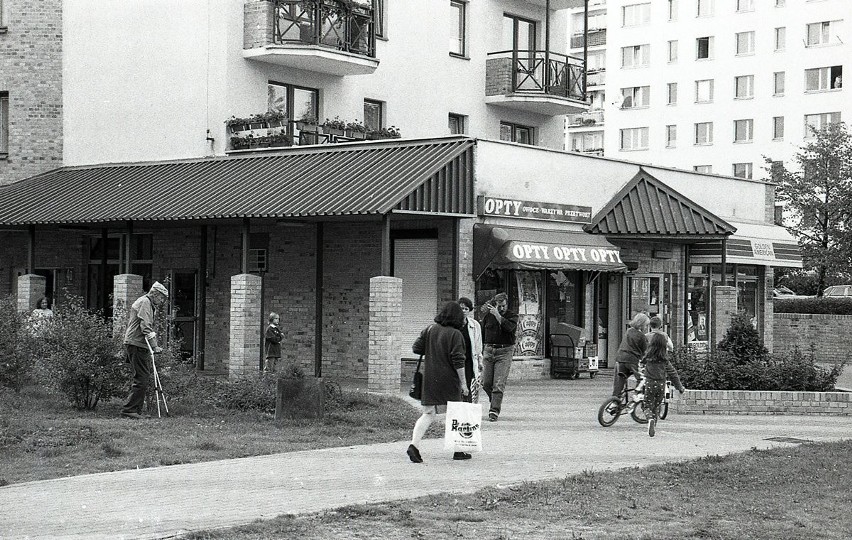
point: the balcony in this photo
(593, 118)
(595, 77)
(536, 81)
(335, 37)
(274, 131)
(597, 37)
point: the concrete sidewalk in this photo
(548, 429)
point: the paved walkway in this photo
(548, 430)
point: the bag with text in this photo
(463, 431)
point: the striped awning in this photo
(370, 178)
(754, 243)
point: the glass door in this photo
(183, 309)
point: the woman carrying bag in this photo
(472, 333)
(442, 345)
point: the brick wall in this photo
(244, 332)
(257, 23)
(724, 308)
(54, 249)
(31, 73)
(30, 290)
(385, 324)
(765, 284)
(829, 334)
(498, 76)
(746, 402)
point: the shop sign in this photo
(523, 251)
(762, 249)
(494, 206)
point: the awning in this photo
(538, 249)
(409, 176)
(760, 244)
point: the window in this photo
(673, 51)
(636, 14)
(704, 133)
(671, 136)
(825, 78)
(778, 83)
(778, 128)
(745, 43)
(635, 56)
(374, 114)
(516, 133)
(294, 101)
(745, 5)
(819, 121)
(823, 33)
(743, 131)
(781, 38)
(635, 97)
(780, 3)
(673, 10)
(742, 170)
(744, 87)
(458, 43)
(704, 48)
(706, 169)
(634, 138)
(379, 17)
(671, 93)
(520, 34)
(587, 142)
(4, 124)
(457, 124)
(704, 91)
(705, 8)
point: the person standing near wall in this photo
(272, 343)
(140, 327)
(498, 332)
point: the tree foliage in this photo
(15, 343)
(817, 194)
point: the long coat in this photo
(443, 350)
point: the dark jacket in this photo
(273, 341)
(660, 369)
(499, 333)
(632, 347)
(443, 350)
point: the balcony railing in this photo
(595, 77)
(597, 37)
(262, 135)
(343, 25)
(537, 72)
(589, 118)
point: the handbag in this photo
(416, 390)
(463, 427)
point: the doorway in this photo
(651, 294)
(183, 307)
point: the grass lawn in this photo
(42, 437)
(796, 492)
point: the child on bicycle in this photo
(657, 368)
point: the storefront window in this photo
(747, 292)
(564, 297)
(697, 301)
(530, 336)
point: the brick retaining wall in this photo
(829, 334)
(747, 402)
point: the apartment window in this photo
(4, 124)
(745, 43)
(520, 34)
(636, 14)
(635, 56)
(634, 138)
(516, 133)
(673, 10)
(706, 169)
(780, 3)
(744, 87)
(744, 131)
(742, 170)
(671, 93)
(825, 78)
(704, 48)
(779, 78)
(704, 91)
(458, 43)
(295, 102)
(704, 133)
(379, 17)
(671, 136)
(457, 124)
(705, 8)
(635, 97)
(745, 5)
(778, 128)
(374, 114)
(819, 121)
(673, 51)
(823, 33)
(587, 142)
(780, 38)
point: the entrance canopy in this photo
(760, 244)
(538, 249)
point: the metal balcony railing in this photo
(546, 73)
(344, 25)
(589, 118)
(597, 37)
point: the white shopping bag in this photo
(463, 431)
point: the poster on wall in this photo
(530, 330)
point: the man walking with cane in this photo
(140, 327)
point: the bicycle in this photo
(612, 408)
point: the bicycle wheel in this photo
(664, 410)
(638, 414)
(609, 412)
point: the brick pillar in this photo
(257, 23)
(245, 325)
(765, 302)
(30, 289)
(383, 367)
(126, 288)
(589, 312)
(466, 284)
(724, 308)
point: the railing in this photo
(548, 73)
(596, 37)
(259, 135)
(596, 77)
(344, 25)
(588, 118)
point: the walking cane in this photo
(158, 388)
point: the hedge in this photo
(824, 306)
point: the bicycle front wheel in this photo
(664, 410)
(638, 414)
(609, 412)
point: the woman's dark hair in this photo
(465, 301)
(657, 348)
(451, 315)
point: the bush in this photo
(254, 393)
(822, 305)
(15, 346)
(742, 342)
(798, 371)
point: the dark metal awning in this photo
(372, 178)
(539, 249)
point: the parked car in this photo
(838, 291)
(782, 291)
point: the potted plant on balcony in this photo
(307, 123)
(334, 127)
(242, 142)
(356, 130)
(275, 118)
(391, 132)
(279, 138)
(236, 124)
(257, 121)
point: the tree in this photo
(818, 197)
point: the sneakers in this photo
(492, 416)
(652, 427)
(414, 454)
(461, 455)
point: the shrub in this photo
(742, 341)
(254, 393)
(826, 306)
(15, 346)
(798, 371)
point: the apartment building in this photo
(715, 85)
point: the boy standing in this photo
(272, 348)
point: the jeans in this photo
(622, 372)
(496, 363)
(141, 361)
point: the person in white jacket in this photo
(473, 349)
